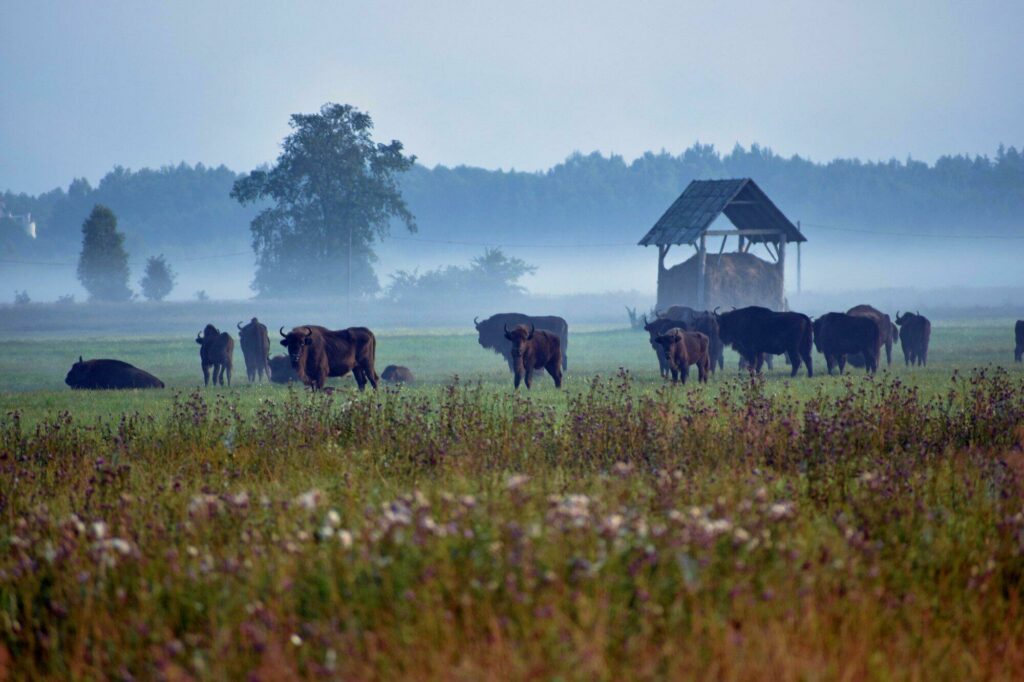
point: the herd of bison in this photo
(681, 337)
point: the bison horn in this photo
(309, 332)
(281, 332)
(919, 313)
(80, 358)
(476, 321)
(715, 311)
(239, 326)
(506, 329)
(897, 316)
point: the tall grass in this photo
(735, 533)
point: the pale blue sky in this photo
(87, 85)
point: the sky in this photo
(90, 85)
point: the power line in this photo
(926, 235)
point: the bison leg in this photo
(842, 364)
(229, 374)
(684, 372)
(1018, 353)
(528, 378)
(555, 370)
(371, 376)
(206, 375)
(888, 353)
(519, 377)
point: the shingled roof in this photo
(742, 201)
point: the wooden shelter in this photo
(736, 278)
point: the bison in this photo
(655, 329)
(491, 333)
(317, 353)
(682, 349)
(700, 321)
(255, 349)
(754, 331)
(109, 374)
(216, 351)
(396, 374)
(534, 349)
(1018, 333)
(915, 334)
(837, 335)
(281, 371)
(885, 327)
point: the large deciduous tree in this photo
(103, 263)
(333, 192)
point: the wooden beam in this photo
(730, 232)
(781, 246)
(768, 247)
(722, 248)
(702, 254)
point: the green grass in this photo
(622, 528)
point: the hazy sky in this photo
(87, 85)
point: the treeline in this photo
(187, 209)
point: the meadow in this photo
(622, 528)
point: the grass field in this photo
(825, 528)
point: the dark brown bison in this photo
(1018, 333)
(396, 374)
(534, 349)
(704, 322)
(255, 349)
(281, 371)
(655, 329)
(317, 353)
(217, 352)
(683, 348)
(109, 374)
(885, 328)
(837, 335)
(491, 333)
(754, 331)
(915, 334)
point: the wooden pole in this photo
(702, 256)
(799, 288)
(662, 252)
(781, 246)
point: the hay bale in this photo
(731, 279)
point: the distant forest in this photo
(588, 198)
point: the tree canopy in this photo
(103, 263)
(333, 192)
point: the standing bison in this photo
(491, 333)
(255, 349)
(704, 322)
(534, 349)
(109, 374)
(281, 371)
(754, 331)
(1018, 333)
(655, 329)
(837, 335)
(915, 334)
(317, 353)
(887, 330)
(216, 352)
(682, 349)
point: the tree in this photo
(103, 264)
(334, 191)
(158, 280)
(492, 274)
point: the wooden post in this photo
(799, 288)
(662, 252)
(702, 257)
(740, 249)
(781, 246)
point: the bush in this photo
(159, 279)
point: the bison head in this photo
(297, 341)
(668, 338)
(519, 335)
(77, 373)
(726, 326)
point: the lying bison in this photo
(216, 352)
(682, 349)
(887, 330)
(755, 331)
(396, 374)
(317, 353)
(281, 371)
(109, 374)
(534, 349)
(255, 349)
(837, 335)
(915, 334)
(491, 333)
(1018, 333)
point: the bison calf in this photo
(216, 352)
(683, 349)
(109, 374)
(396, 374)
(532, 350)
(837, 335)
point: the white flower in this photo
(780, 510)
(325, 532)
(296, 640)
(333, 518)
(310, 499)
(345, 538)
(99, 530)
(516, 481)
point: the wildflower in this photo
(780, 510)
(611, 525)
(333, 518)
(296, 640)
(516, 481)
(326, 531)
(345, 538)
(99, 530)
(623, 469)
(309, 500)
